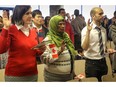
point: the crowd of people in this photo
(62, 40)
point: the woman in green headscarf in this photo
(62, 67)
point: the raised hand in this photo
(62, 47)
(89, 25)
(6, 20)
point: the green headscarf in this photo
(58, 37)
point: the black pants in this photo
(38, 59)
(77, 42)
(96, 68)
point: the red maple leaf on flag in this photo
(53, 50)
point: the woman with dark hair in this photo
(19, 39)
(47, 19)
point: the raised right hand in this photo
(6, 20)
(89, 25)
(63, 46)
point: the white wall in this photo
(108, 9)
(70, 8)
(86, 11)
(43, 8)
(6, 6)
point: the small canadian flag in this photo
(53, 50)
(81, 76)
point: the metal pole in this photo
(100, 6)
(115, 7)
(39, 7)
(81, 9)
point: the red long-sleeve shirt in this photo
(69, 30)
(21, 60)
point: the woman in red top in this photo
(19, 39)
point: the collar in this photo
(94, 25)
(40, 28)
(21, 27)
(36, 27)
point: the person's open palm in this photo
(89, 25)
(62, 46)
(6, 20)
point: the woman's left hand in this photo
(6, 20)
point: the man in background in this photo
(68, 27)
(77, 24)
